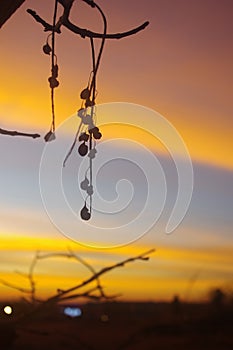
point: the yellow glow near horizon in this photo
(160, 278)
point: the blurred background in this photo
(180, 66)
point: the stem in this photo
(91, 161)
(53, 64)
(96, 64)
(17, 133)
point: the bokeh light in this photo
(8, 310)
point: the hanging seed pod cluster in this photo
(88, 132)
(53, 83)
(87, 147)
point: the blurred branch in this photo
(30, 277)
(68, 294)
(88, 294)
(10, 285)
(142, 257)
(72, 255)
(17, 133)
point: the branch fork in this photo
(64, 21)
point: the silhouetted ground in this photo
(115, 326)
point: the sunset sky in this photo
(181, 67)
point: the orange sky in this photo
(180, 66)
(169, 270)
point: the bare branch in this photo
(100, 273)
(17, 133)
(10, 285)
(64, 20)
(63, 294)
(88, 33)
(47, 27)
(22, 274)
(88, 294)
(31, 277)
(72, 255)
(90, 268)
(95, 275)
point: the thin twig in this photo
(31, 277)
(72, 255)
(52, 66)
(101, 272)
(73, 145)
(92, 270)
(17, 133)
(47, 27)
(88, 294)
(13, 286)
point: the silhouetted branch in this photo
(62, 295)
(88, 33)
(29, 276)
(10, 285)
(142, 257)
(72, 255)
(17, 133)
(47, 26)
(88, 295)
(64, 20)
(7, 8)
(90, 268)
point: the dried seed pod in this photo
(47, 49)
(85, 94)
(84, 137)
(50, 136)
(84, 184)
(84, 213)
(87, 119)
(94, 129)
(92, 153)
(83, 149)
(81, 113)
(89, 103)
(53, 82)
(90, 190)
(97, 135)
(95, 132)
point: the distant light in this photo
(72, 311)
(8, 310)
(104, 318)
